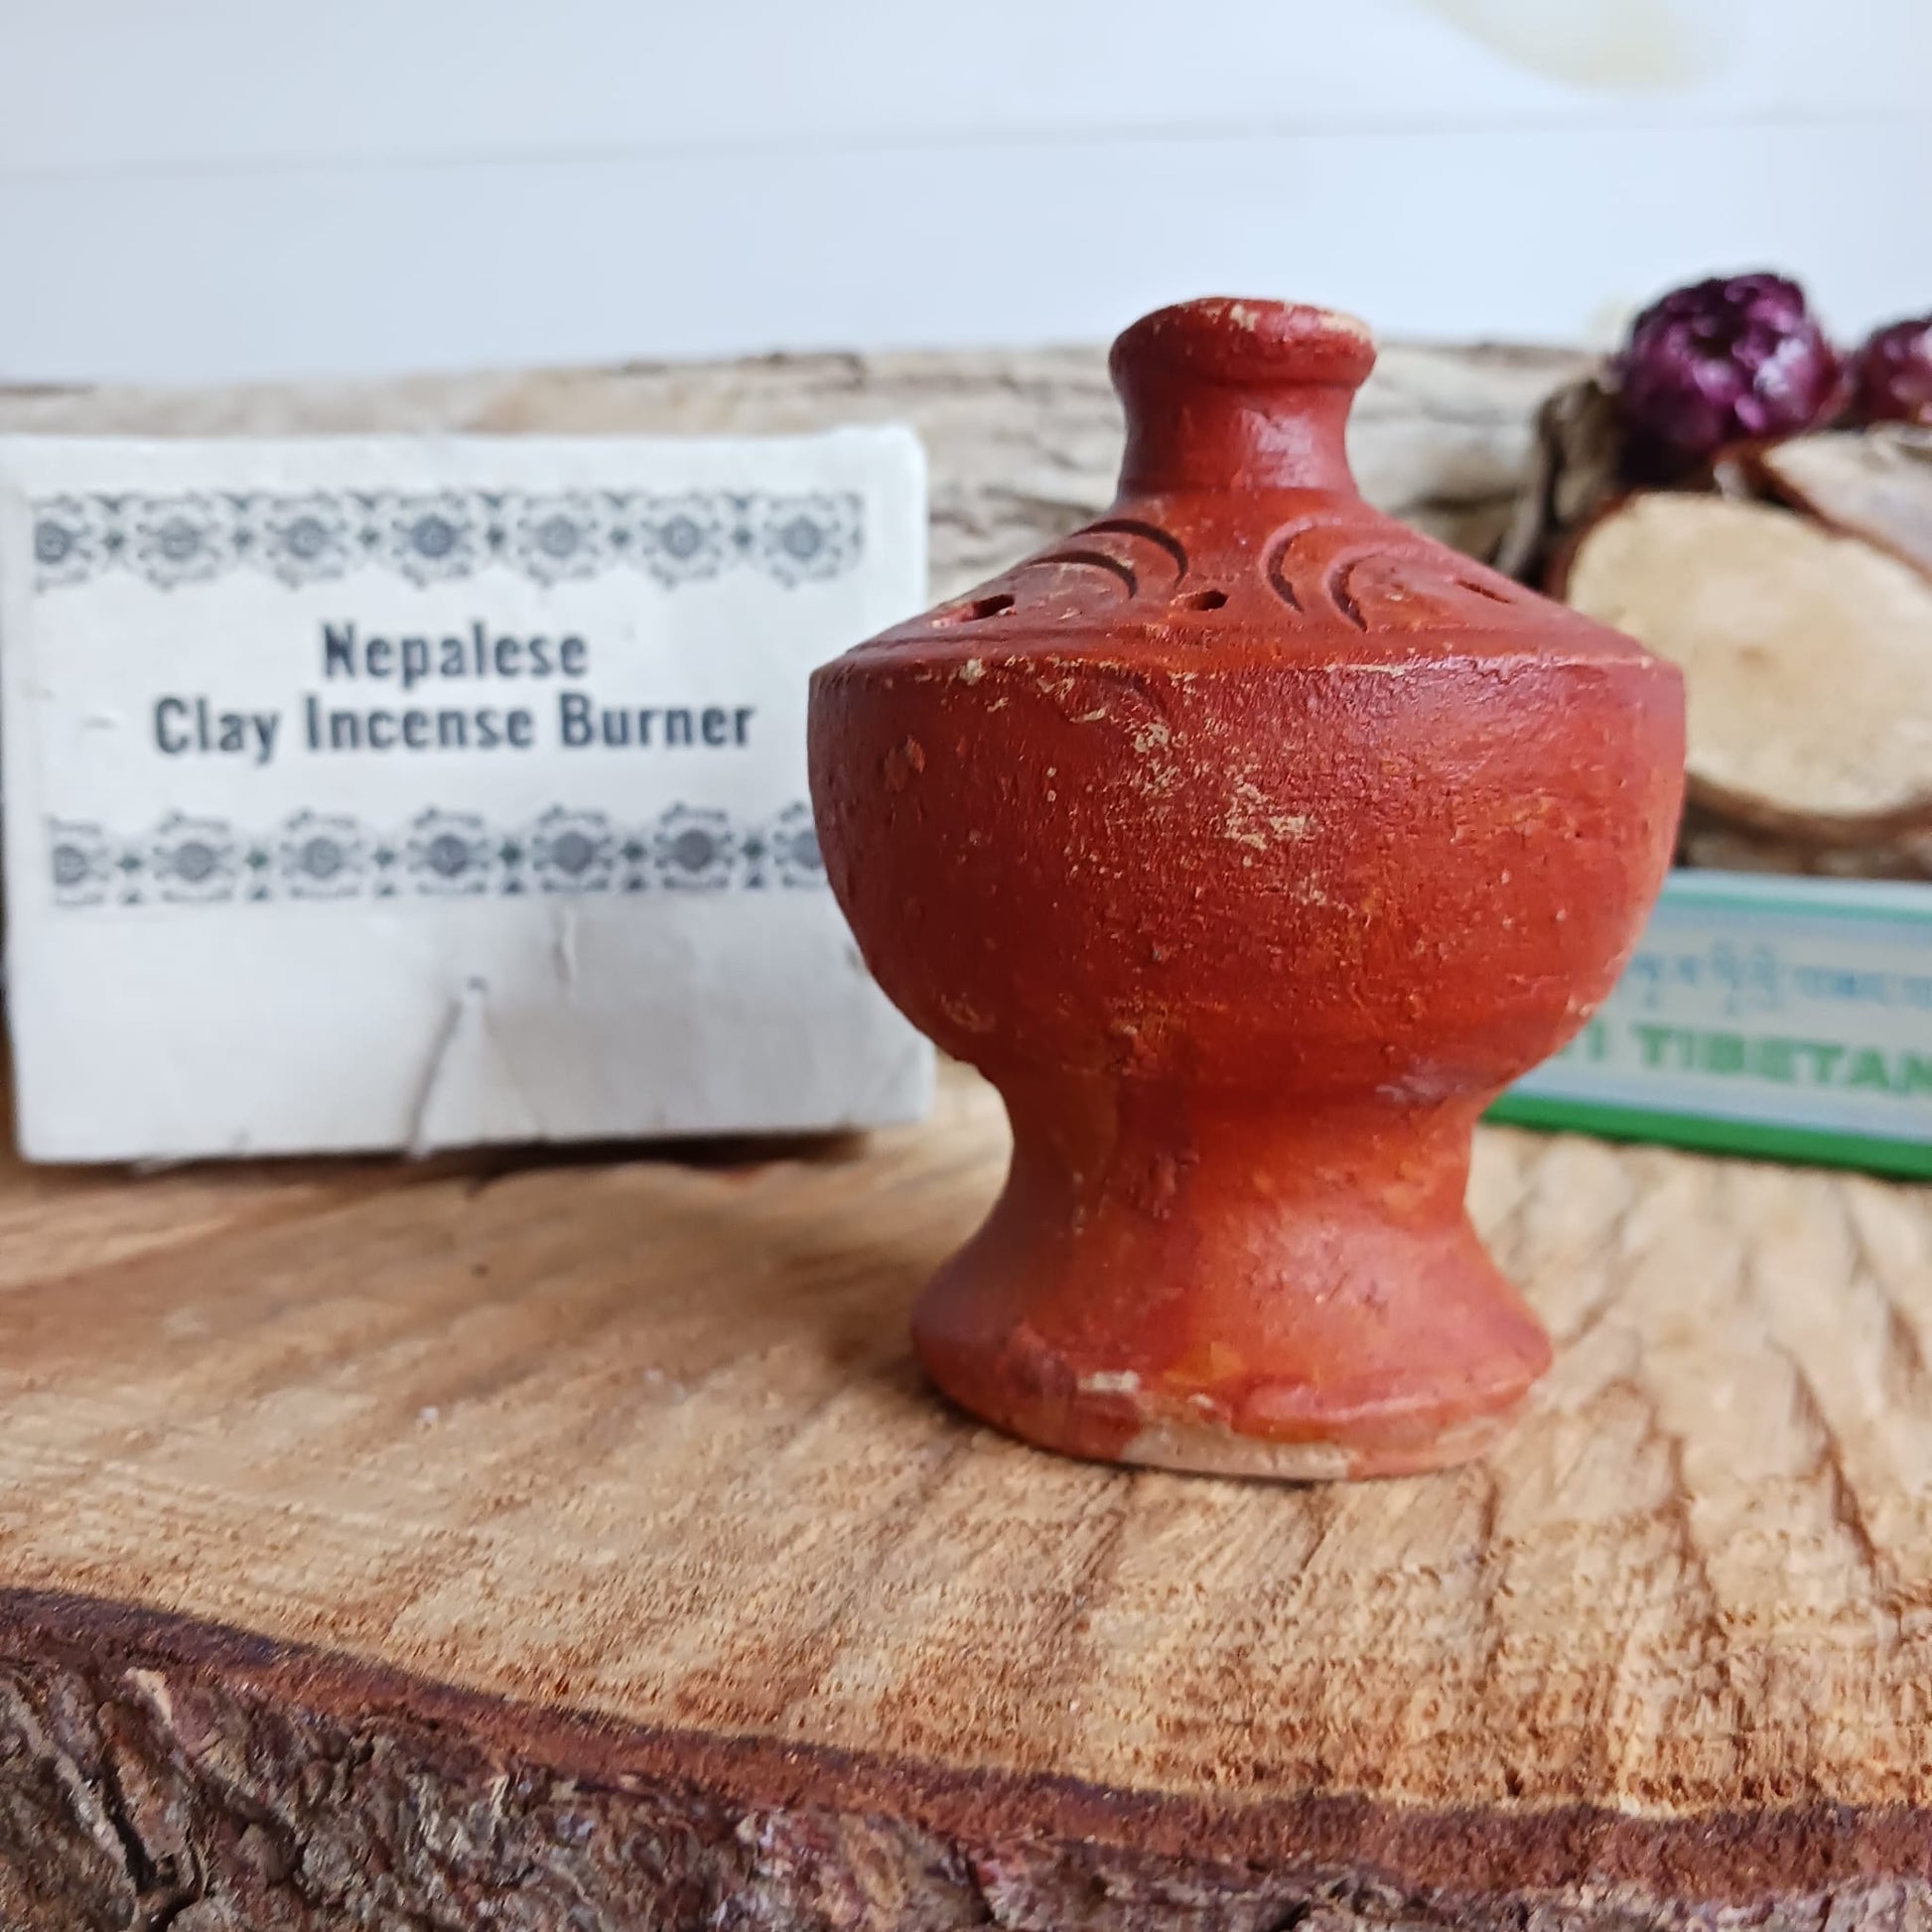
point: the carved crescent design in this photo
(1323, 569)
(1318, 568)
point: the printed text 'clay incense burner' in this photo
(1248, 842)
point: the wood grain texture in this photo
(1022, 445)
(598, 1509)
(575, 1545)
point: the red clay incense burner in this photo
(1248, 842)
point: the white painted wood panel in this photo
(96, 85)
(209, 188)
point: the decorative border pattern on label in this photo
(187, 861)
(434, 537)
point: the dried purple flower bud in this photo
(1892, 373)
(1739, 357)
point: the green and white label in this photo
(1782, 1016)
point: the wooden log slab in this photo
(1023, 446)
(573, 1543)
(578, 1546)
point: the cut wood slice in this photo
(1807, 658)
(1711, 844)
(1573, 464)
(1872, 484)
(583, 1550)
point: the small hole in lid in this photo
(979, 607)
(1202, 601)
(1483, 590)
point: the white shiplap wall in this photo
(219, 189)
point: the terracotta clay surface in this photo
(580, 1547)
(1249, 843)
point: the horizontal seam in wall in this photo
(1555, 126)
